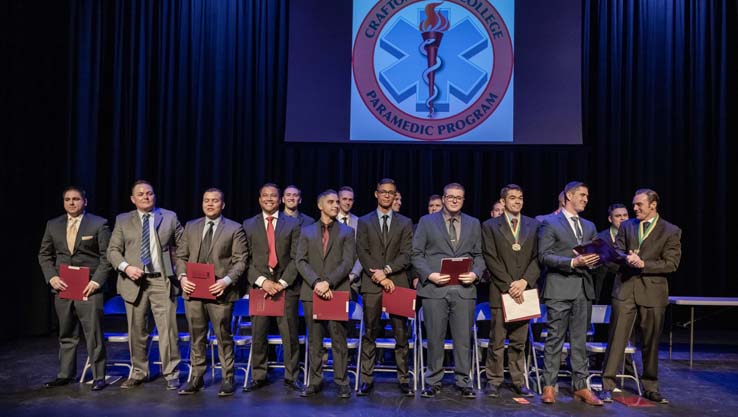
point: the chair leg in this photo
(84, 370)
(248, 366)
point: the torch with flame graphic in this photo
(431, 30)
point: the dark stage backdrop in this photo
(191, 94)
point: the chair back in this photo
(115, 305)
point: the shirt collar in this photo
(275, 215)
(389, 213)
(141, 213)
(78, 218)
(568, 215)
(447, 216)
(216, 222)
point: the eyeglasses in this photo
(387, 192)
(454, 197)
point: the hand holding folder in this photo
(400, 302)
(454, 267)
(76, 278)
(599, 247)
(530, 307)
(337, 308)
(203, 276)
(263, 304)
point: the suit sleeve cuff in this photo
(260, 281)
(283, 283)
(122, 266)
(227, 280)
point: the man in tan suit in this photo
(141, 250)
(216, 240)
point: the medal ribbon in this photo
(643, 234)
(515, 231)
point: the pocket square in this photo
(87, 237)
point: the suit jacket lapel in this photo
(333, 234)
(505, 230)
(80, 232)
(278, 231)
(199, 228)
(565, 224)
(158, 217)
(376, 228)
(444, 231)
(216, 235)
(526, 227)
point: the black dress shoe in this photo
(58, 382)
(131, 383)
(605, 396)
(226, 388)
(365, 389)
(656, 397)
(310, 391)
(98, 385)
(406, 389)
(492, 390)
(344, 391)
(255, 384)
(293, 385)
(191, 387)
(523, 391)
(431, 391)
(467, 392)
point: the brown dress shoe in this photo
(549, 395)
(587, 396)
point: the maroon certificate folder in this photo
(334, 309)
(76, 278)
(262, 304)
(203, 276)
(455, 267)
(401, 302)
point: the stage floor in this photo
(709, 389)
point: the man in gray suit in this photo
(384, 243)
(77, 238)
(216, 240)
(345, 204)
(291, 199)
(448, 234)
(510, 249)
(272, 238)
(325, 254)
(653, 249)
(141, 249)
(568, 292)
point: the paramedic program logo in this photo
(432, 70)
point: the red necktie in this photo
(270, 241)
(325, 238)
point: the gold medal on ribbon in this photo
(516, 247)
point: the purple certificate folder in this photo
(76, 278)
(455, 267)
(203, 275)
(605, 250)
(336, 308)
(261, 304)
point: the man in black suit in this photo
(212, 239)
(603, 280)
(77, 238)
(384, 245)
(568, 291)
(510, 249)
(291, 199)
(325, 255)
(272, 237)
(653, 249)
(448, 234)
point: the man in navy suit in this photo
(77, 238)
(448, 233)
(569, 291)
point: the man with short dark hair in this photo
(212, 239)
(141, 249)
(273, 238)
(345, 204)
(384, 246)
(77, 239)
(448, 234)
(510, 249)
(325, 255)
(568, 292)
(653, 250)
(434, 204)
(498, 209)
(291, 199)
(603, 279)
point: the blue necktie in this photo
(145, 243)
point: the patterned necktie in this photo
(385, 229)
(578, 228)
(452, 231)
(146, 243)
(325, 238)
(270, 242)
(72, 229)
(207, 241)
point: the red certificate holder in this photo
(263, 304)
(401, 302)
(336, 308)
(454, 267)
(203, 276)
(76, 278)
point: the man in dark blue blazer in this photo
(448, 234)
(568, 292)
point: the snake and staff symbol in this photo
(431, 30)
